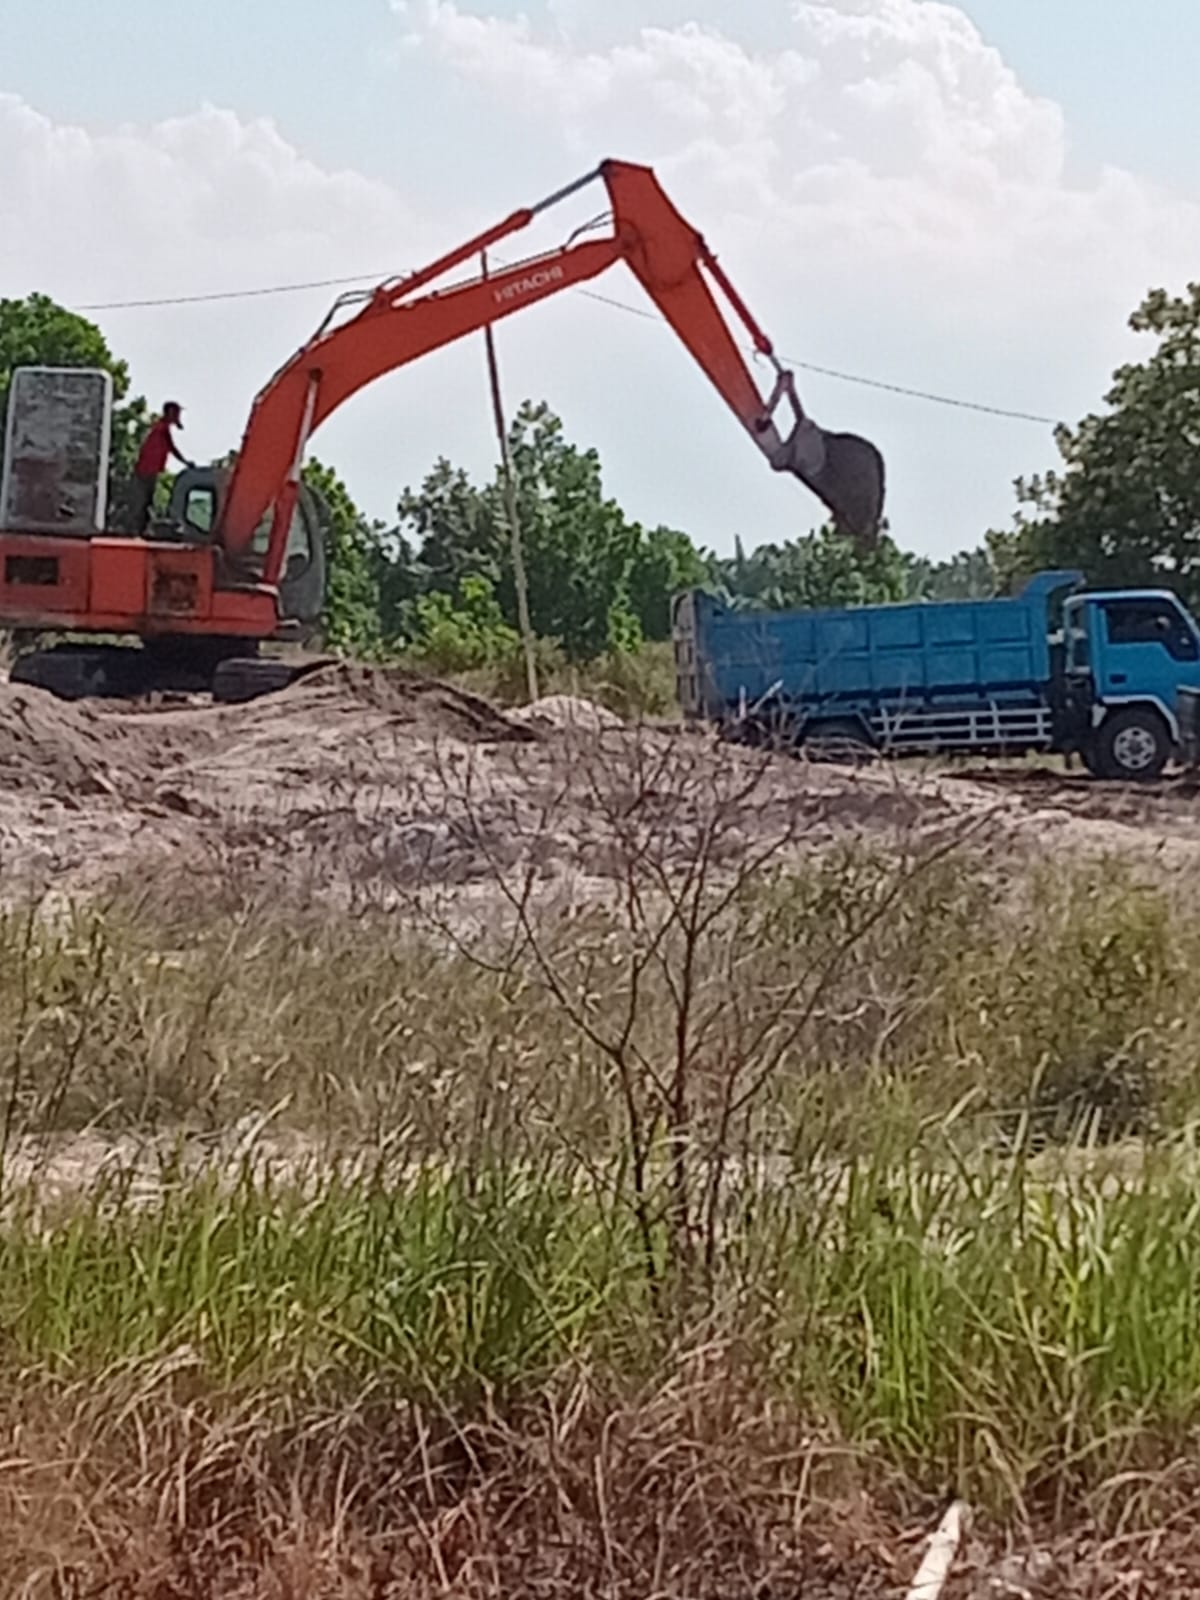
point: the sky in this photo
(967, 199)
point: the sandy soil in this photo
(363, 781)
(359, 781)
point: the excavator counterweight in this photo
(240, 559)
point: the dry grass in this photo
(687, 1241)
(139, 1489)
(678, 1491)
(635, 684)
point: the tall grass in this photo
(432, 1284)
(634, 683)
(968, 1323)
(894, 1153)
(1044, 1005)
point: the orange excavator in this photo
(239, 560)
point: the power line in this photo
(234, 294)
(926, 394)
(905, 390)
(854, 377)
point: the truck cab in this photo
(1127, 654)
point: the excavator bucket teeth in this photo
(846, 472)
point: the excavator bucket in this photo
(841, 469)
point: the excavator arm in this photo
(404, 319)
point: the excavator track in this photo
(108, 672)
(73, 671)
(243, 678)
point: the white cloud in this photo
(883, 125)
(881, 185)
(206, 195)
(888, 195)
(198, 203)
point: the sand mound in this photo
(361, 780)
(567, 711)
(50, 746)
(426, 706)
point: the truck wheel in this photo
(1133, 745)
(1089, 754)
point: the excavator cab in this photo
(197, 496)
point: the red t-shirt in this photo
(155, 451)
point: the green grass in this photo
(965, 1322)
(636, 684)
(437, 1285)
(896, 1151)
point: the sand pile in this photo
(49, 746)
(426, 706)
(567, 711)
(363, 781)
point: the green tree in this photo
(967, 575)
(459, 631)
(351, 621)
(821, 569)
(664, 562)
(399, 580)
(1125, 505)
(590, 570)
(37, 331)
(579, 545)
(455, 528)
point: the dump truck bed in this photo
(950, 673)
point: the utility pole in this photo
(510, 507)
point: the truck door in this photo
(1150, 649)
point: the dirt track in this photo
(357, 780)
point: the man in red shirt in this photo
(157, 448)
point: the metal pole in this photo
(510, 507)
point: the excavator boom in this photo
(397, 323)
(203, 590)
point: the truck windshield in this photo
(1147, 621)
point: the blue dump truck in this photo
(1057, 667)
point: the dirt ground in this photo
(362, 782)
(369, 783)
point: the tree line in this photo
(437, 580)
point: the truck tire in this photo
(1133, 745)
(1089, 754)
